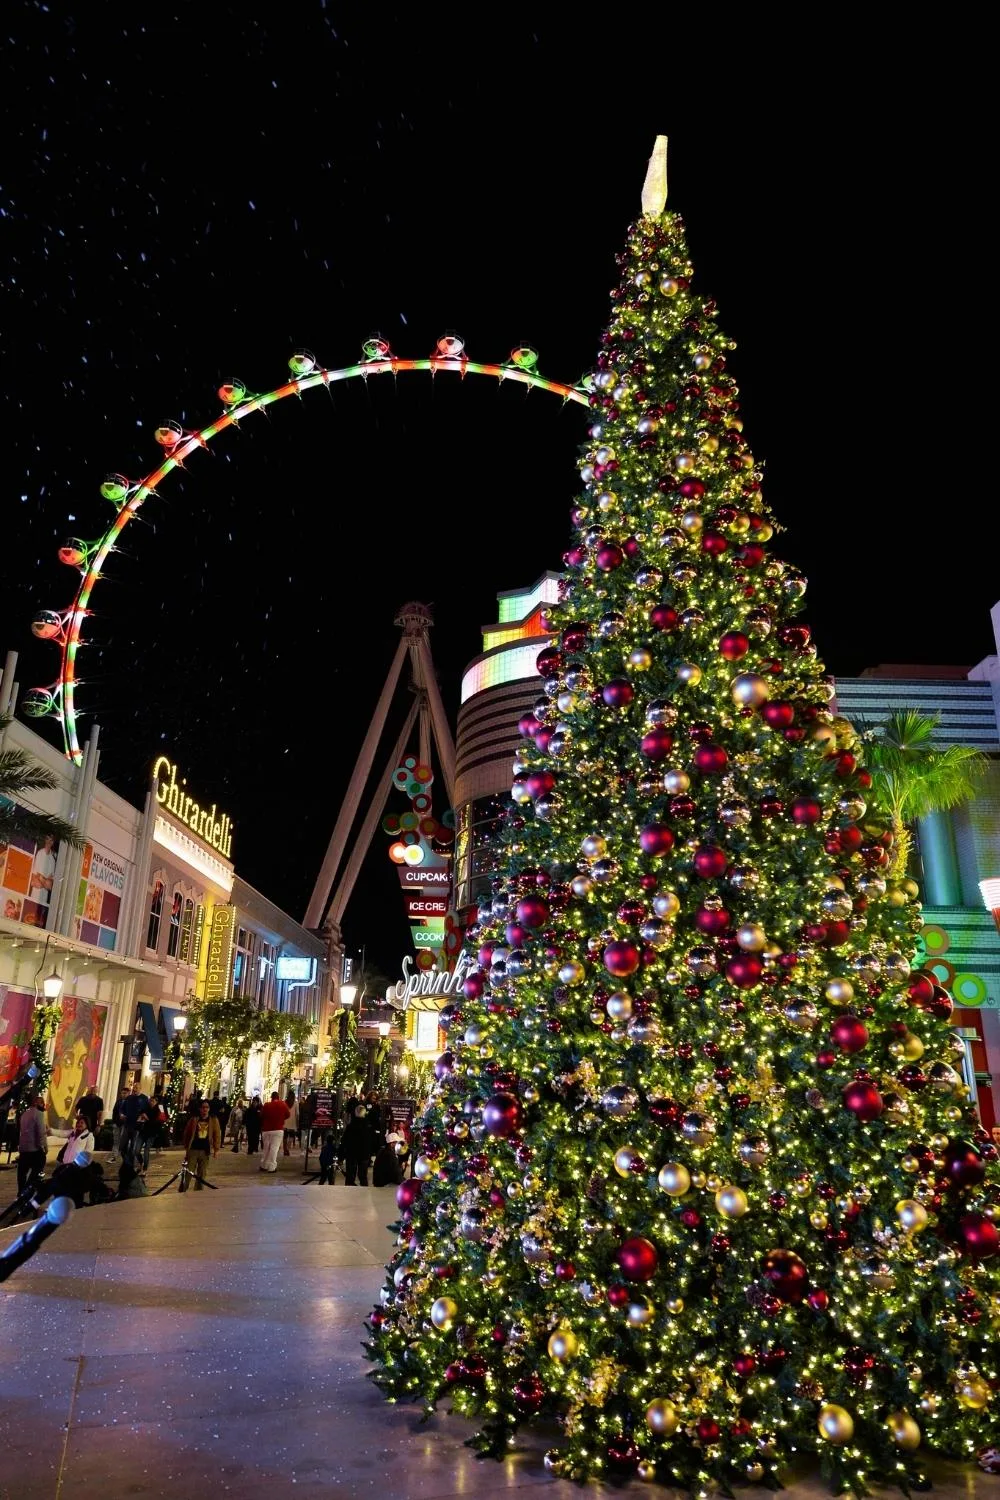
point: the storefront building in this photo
(149, 916)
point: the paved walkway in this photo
(208, 1344)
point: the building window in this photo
(187, 923)
(265, 977)
(174, 931)
(244, 968)
(155, 912)
(198, 935)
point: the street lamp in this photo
(348, 995)
(52, 986)
(990, 892)
(384, 1028)
(179, 1023)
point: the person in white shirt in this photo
(81, 1139)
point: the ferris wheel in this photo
(65, 628)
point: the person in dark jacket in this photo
(386, 1167)
(32, 1144)
(328, 1159)
(252, 1125)
(357, 1149)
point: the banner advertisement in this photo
(16, 1007)
(27, 871)
(99, 899)
(76, 1058)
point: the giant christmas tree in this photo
(699, 1180)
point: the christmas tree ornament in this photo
(638, 1259)
(443, 1313)
(835, 1424)
(912, 1216)
(731, 1202)
(674, 1179)
(749, 690)
(563, 1345)
(903, 1430)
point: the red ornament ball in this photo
(733, 645)
(529, 1393)
(565, 1270)
(656, 839)
(744, 970)
(744, 1366)
(662, 617)
(502, 1114)
(818, 1299)
(710, 862)
(657, 744)
(787, 1274)
(941, 1005)
(778, 715)
(609, 557)
(539, 784)
(710, 760)
(849, 1034)
(548, 661)
(618, 693)
(806, 810)
(979, 1236)
(407, 1193)
(707, 1430)
(711, 921)
(921, 989)
(619, 1294)
(963, 1165)
(621, 958)
(638, 1259)
(532, 912)
(863, 1099)
(714, 543)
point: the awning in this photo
(154, 1042)
(167, 1014)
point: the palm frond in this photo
(947, 779)
(909, 730)
(19, 773)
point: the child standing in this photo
(328, 1160)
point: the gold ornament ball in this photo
(563, 1344)
(913, 1047)
(754, 1472)
(423, 1168)
(594, 846)
(674, 1178)
(910, 1163)
(835, 1424)
(903, 1430)
(698, 1180)
(572, 972)
(646, 1471)
(669, 286)
(713, 1183)
(684, 462)
(661, 1417)
(839, 992)
(444, 1312)
(619, 1007)
(731, 1202)
(911, 1215)
(640, 1312)
(749, 690)
(895, 896)
(818, 1219)
(625, 1159)
(911, 888)
(973, 1393)
(640, 659)
(689, 673)
(702, 360)
(675, 1306)
(929, 1404)
(666, 905)
(751, 937)
(674, 782)
(692, 521)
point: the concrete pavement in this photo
(209, 1344)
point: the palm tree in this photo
(911, 777)
(20, 774)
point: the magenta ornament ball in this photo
(618, 693)
(532, 912)
(638, 1259)
(863, 1099)
(502, 1114)
(407, 1193)
(656, 839)
(621, 959)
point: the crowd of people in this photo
(363, 1136)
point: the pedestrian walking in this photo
(291, 1135)
(117, 1125)
(91, 1106)
(253, 1126)
(32, 1144)
(202, 1138)
(273, 1116)
(356, 1147)
(133, 1115)
(236, 1123)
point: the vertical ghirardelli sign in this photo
(220, 953)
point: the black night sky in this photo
(192, 192)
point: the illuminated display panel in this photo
(509, 664)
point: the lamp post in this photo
(990, 892)
(52, 986)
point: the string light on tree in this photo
(698, 1170)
